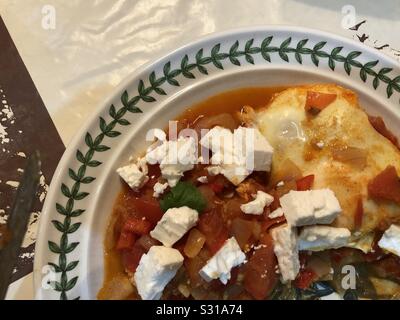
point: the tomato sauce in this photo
(136, 213)
(127, 204)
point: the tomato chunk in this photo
(260, 277)
(305, 278)
(385, 186)
(212, 226)
(305, 183)
(139, 226)
(216, 187)
(379, 125)
(126, 240)
(149, 208)
(358, 216)
(131, 258)
(317, 101)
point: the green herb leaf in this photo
(184, 194)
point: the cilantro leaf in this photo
(184, 194)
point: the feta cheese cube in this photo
(257, 206)
(235, 174)
(174, 224)
(218, 140)
(175, 157)
(220, 265)
(309, 207)
(318, 238)
(159, 189)
(155, 270)
(238, 154)
(390, 240)
(278, 212)
(252, 146)
(135, 175)
(286, 251)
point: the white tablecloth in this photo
(97, 43)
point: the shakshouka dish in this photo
(260, 193)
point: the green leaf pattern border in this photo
(146, 93)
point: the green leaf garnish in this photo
(184, 194)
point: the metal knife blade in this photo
(17, 222)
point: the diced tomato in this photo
(317, 101)
(358, 215)
(385, 186)
(139, 226)
(305, 183)
(216, 187)
(212, 226)
(131, 258)
(149, 208)
(259, 276)
(379, 125)
(305, 278)
(126, 240)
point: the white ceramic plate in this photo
(84, 187)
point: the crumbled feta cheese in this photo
(159, 189)
(390, 240)
(235, 174)
(280, 184)
(310, 207)
(318, 238)
(218, 140)
(238, 154)
(135, 175)
(276, 213)
(175, 157)
(320, 144)
(220, 265)
(174, 224)
(213, 170)
(155, 270)
(257, 206)
(202, 179)
(252, 146)
(286, 251)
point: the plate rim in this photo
(73, 145)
